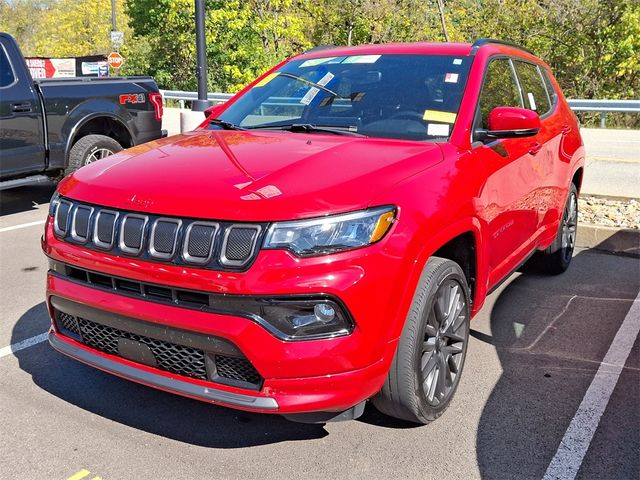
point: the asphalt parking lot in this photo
(532, 392)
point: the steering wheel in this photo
(408, 114)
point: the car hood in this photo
(250, 176)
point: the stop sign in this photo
(115, 60)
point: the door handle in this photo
(566, 129)
(21, 107)
(535, 148)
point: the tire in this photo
(557, 257)
(89, 149)
(433, 336)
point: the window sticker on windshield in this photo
(266, 79)
(437, 130)
(451, 78)
(439, 116)
(326, 79)
(309, 96)
(362, 59)
(457, 61)
(316, 61)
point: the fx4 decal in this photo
(132, 98)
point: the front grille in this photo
(216, 245)
(239, 243)
(171, 357)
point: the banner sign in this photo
(88, 66)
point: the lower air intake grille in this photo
(172, 357)
(237, 369)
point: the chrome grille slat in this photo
(198, 243)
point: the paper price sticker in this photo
(451, 78)
(438, 130)
(438, 116)
(309, 96)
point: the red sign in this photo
(115, 60)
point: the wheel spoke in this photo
(441, 380)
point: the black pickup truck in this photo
(49, 128)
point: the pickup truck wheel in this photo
(557, 258)
(90, 149)
(428, 363)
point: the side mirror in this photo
(510, 122)
(214, 110)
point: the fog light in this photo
(324, 312)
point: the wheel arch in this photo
(576, 179)
(449, 242)
(100, 123)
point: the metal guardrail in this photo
(577, 105)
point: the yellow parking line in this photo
(79, 475)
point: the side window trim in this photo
(516, 79)
(3, 51)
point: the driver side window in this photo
(500, 89)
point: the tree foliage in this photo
(593, 46)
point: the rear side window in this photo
(553, 96)
(533, 88)
(500, 89)
(6, 73)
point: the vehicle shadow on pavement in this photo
(550, 334)
(145, 408)
(22, 199)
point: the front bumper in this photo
(330, 375)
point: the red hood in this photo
(254, 176)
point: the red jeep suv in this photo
(324, 237)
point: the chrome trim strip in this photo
(185, 243)
(152, 251)
(97, 242)
(56, 227)
(121, 245)
(160, 381)
(74, 234)
(239, 263)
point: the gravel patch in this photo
(608, 212)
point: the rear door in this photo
(22, 147)
(507, 201)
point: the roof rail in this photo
(318, 48)
(483, 41)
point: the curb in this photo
(621, 241)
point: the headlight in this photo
(53, 203)
(319, 236)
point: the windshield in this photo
(412, 97)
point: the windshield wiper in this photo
(313, 84)
(309, 128)
(225, 125)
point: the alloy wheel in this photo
(569, 225)
(97, 154)
(444, 343)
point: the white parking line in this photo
(22, 225)
(29, 342)
(575, 443)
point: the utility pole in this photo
(202, 103)
(113, 16)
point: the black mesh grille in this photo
(237, 369)
(81, 225)
(164, 236)
(172, 357)
(105, 227)
(240, 243)
(132, 236)
(68, 322)
(62, 214)
(169, 356)
(200, 241)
